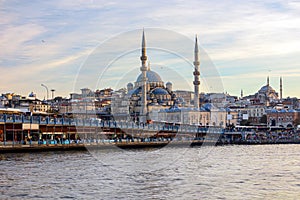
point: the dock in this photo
(20, 133)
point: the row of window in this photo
(287, 118)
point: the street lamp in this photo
(46, 90)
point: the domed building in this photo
(159, 96)
(267, 94)
(148, 95)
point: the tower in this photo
(143, 111)
(242, 93)
(268, 81)
(280, 87)
(196, 74)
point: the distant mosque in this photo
(267, 94)
(150, 94)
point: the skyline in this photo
(48, 42)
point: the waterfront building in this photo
(120, 105)
(25, 103)
(38, 106)
(256, 112)
(206, 115)
(90, 103)
(220, 100)
(86, 94)
(290, 103)
(184, 98)
(185, 116)
(282, 118)
(233, 117)
(104, 95)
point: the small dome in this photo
(134, 91)
(159, 91)
(180, 99)
(129, 85)
(168, 83)
(208, 106)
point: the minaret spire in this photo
(268, 81)
(196, 49)
(196, 74)
(143, 111)
(143, 56)
(280, 88)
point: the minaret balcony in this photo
(197, 63)
(196, 73)
(196, 82)
(143, 57)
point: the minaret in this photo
(268, 81)
(242, 94)
(143, 111)
(196, 75)
(280, 87)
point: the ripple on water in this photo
(229, 172)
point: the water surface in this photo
(223, 172)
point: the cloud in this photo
(13, 39)
(56, 36)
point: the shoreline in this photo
(126, 145)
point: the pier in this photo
(24, 133)
(19, 131)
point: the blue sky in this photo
(49, 41)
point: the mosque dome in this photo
(151, 76)
(265, 89)
(169, 86)
(135, 91)
(159, 91)
(129, 87)
(266, 93)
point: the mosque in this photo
(149, 93)
(149, 98)
(267, 94)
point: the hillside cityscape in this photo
(150, 99)
(264, 108)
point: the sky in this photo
(52, 42)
